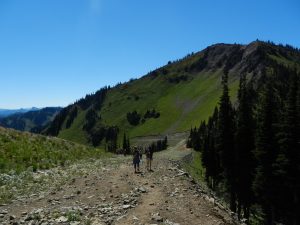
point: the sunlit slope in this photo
(21, 151)
(183, 92)
(180, 106)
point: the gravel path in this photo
(108, 192)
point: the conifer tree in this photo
(286, 167)
(244, 147)
(225, 142)
(266, 152)
(214, 154)
(125, 144)
(128, 146)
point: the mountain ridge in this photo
(33, 120)
(8, 112)
(183, 93)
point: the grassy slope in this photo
(20, 151)
(195, 167)
(181, 105)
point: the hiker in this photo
(149, 157)
(141, 155)
(136, 160)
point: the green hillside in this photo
(182, 93)
(180, 106)
(22, 150)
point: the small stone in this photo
(126, 201)
(28, 218)
(75, 223)
(142, 190)
(96, 222)
(168, 222)
(62, 219)
(12, 217)
(126, 206)
(135, 218)
(4, 211)
(156, 217)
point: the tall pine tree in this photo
(266, 152)
(244, 147)
(225, 142)
(287, 164)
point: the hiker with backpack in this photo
(149, 158)
(141, 155)
(136, 160)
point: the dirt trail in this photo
(113, 194)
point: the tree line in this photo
(68, 114)
(134, 118)
(159, 145)
(252, 151)
(155, 146)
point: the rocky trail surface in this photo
(109, 192)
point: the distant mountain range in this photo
(172, 98)
(8, 112)
(33, 119)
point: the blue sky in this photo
(53, 52)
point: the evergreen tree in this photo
(165, 143)
(201, 135)
(226, 142)
(72, 116)
(128, 146)
(209, 154)
(286, 167)
(244, 147)
(125, 144)
(206, 160)
(214, 154)
(266, 152)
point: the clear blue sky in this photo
(53, 52)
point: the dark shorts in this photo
(136, 161)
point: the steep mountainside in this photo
(173, 98)
(30, 121)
